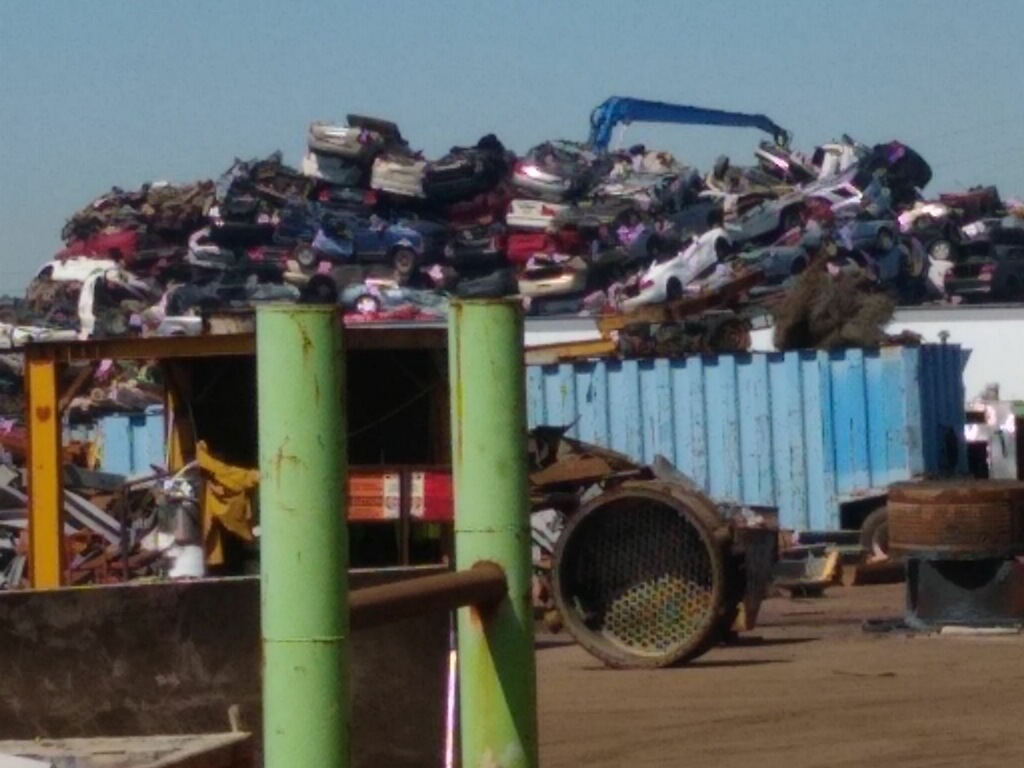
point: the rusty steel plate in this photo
(951, 520)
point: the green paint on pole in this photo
(497, 668)
(304, 537)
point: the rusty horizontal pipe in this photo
(483, 584)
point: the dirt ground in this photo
(807, 689)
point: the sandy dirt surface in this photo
(807, 689)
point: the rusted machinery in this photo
(653, 573)
(962, 542)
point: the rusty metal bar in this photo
(163, 347)
(387, 336)
(482, 585)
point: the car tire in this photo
(874, 533)
(916, 263)
(791, 218)
(367, 305)
(404, 261)
(941, 249)
(305, 256)
(673, 289)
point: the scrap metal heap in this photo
(571, 228)
(115, 528)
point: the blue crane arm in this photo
(619, 109)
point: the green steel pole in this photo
(497, 669)
(304, 538)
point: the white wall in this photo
(993, 335)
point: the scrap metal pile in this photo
(115, 528)
(200, 520)
(570, 227)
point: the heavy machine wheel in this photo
(957, 519)
(874, 533)
(640, 575)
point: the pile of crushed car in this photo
(570, 227)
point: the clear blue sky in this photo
(116, 93)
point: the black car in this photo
(986, 270)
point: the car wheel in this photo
(367, 305)
(791, 219)
(916, 262)
(320, 290)
(941, 250)
(883, 240)
(673, 289)
(404, 261)
(305, 256)
(874, 533)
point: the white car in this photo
(557, 170)
(840, 196)
(532, 215)
(668, 280)
(398, 174)
(532, 179)
(73, 270)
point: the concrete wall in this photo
(165, 659)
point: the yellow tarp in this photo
(227, 502)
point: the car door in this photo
(372, 239)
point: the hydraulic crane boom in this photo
(619, 109)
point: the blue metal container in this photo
(807, 432)
(131, 444)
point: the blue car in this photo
(325, 238)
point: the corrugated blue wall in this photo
(131, 444)
(801, 431)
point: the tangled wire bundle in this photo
(833, 312)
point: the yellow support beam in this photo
(181, 443)
(45, 481)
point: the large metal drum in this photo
(957, 519)
(640, 575)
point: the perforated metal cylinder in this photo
(639, 576)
